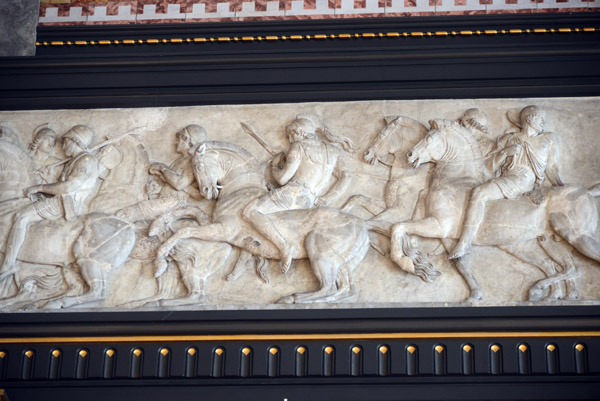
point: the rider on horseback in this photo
(67, 198)
(302, 174)
(525, 158)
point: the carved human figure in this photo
(524, 158)
(67, 198)
(176, 182)
(42, 147)
(302, 175)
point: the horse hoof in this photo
(290, 299)
(536, 294)
(56, 304)
(475, 297)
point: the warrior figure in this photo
(524, 158)
(302, 174)
(67, 198)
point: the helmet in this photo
(303, 126)
(196, 134)
(40, 134)
(474, 118)
(81, 135)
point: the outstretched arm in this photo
(177, 181)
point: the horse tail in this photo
(423, 269)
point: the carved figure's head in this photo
(207, 170)
(77, 139)
(299, 129)
(474, 119)
(190, 136)
(44, 140)
(534, 117)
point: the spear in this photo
(110, 140)
(248, 130)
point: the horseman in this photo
(171, 187)
(303, 173)
(524, 158)
(68, 198)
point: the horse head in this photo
(398, 134)
(207, 170)
(429, 149)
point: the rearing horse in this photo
(568, 211)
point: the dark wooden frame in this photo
(460, 64)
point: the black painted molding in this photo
(453, 66)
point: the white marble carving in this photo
(364, 204)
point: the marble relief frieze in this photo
(312, 205)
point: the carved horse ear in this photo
(198, 150)
(433, 124)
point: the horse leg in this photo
(324, 264)
(94, 274)
(243, 263)
(370, 205)
(533, 254)
(212, 232)
(405, 254)
(466, 272)
(584, 243)
(562, 253)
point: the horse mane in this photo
(464, 133)
(232, 147)
(399, 121)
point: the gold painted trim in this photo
(383, 349)
(298, 337)
(273, 38)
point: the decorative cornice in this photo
(341, 36)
